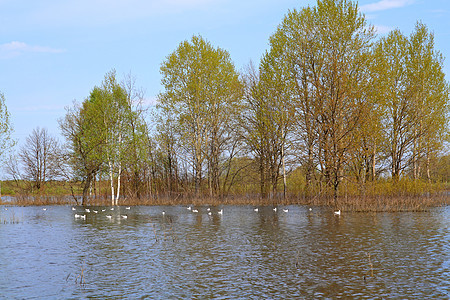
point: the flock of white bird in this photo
(190, 208)
(88, 210)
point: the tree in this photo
(6, 142)
(323, 54)
(267, 121)
(38, 157)
(107, 134)
(202, 92)
(413, 98)
(84, 144)
(429, 93)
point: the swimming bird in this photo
(87, 210)
(194, 210)
(128, 207)
(76, 216)
(112, 208)
(95, 211)
(103, 209)
(220, 212)
(208, 209)
(124, 217)
(189, 208)
(109, 217)
(209, 213)
(256, 209)
(163, 213)
(83, 217)
(338, 212)
(73, 208)
(274, 209)
(310, 209)
(44, 209)
(286, 210)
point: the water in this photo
(46, 254)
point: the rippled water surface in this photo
(242, 253)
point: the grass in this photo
(382, 195)
(350, 203)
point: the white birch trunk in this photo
(118, 184)
(111, 180)
(120, 168)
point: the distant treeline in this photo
(331, 110)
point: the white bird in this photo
(109, 217)
(286, 210)
(87, 210)
(310, 209)
(112, 208)
(44, 209)
(95, 211)
(124, 217)
(194, 210)
(208, 209)
(83, 217)
(255, 209)
(189, 208)
(128, 207)
(103, 209)
(209, 213)
(73, 208)
(220, 212)
(338, 212)
(275, 209)
(77, 216)
(163, 213)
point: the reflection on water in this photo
(240, 254)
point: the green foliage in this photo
(202, 97)
(6, 129)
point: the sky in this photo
(53, 52)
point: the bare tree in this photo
(38, 157)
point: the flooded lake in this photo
(241, 253)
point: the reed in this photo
(392, 203)
(81, 277)
(370, 202)
(10, 219)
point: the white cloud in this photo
(13, 49)
(384, 5)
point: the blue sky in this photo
(55, 51)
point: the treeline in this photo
(329, 110)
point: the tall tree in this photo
(202, 91)
(413, 96)
(428, 90)
(324, 52)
